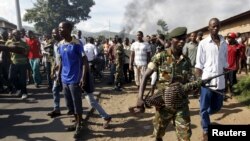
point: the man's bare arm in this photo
(14, 49)
(145, 77)
(132, 56)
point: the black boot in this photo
(117, 86)
(78, 126)
(72, 127)
(158, 139)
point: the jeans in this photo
(112, 73)
(48, 72)
(56, 96)
(17, 77)
(73, 97)
(94, 104)
(35, 66)
(210, 103)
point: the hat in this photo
(231, 35)
(178, 32)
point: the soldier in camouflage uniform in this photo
(119, 59)
(172, 67)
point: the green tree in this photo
(163, 27)
(47, 14)
(101, 38)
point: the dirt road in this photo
(127, 127)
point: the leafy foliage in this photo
(47, 14)
(242, 85)
(242, 90)
(163, 28)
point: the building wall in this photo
(242, 26)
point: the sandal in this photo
(71, 128)
(136, 109)
(106, 124)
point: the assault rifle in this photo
(208, 80)
(159, 98)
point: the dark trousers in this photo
(4, 73)
(73, 97)
(17, 77)
(112, 73)
(128, 74)
(48, 73)
(232, 79)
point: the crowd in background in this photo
(125, 59)
(102, 56)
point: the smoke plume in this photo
(194, 14)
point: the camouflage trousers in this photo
(182, 121)
(118, 73)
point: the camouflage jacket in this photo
(18, 58)
(170, 69)
(119, 54)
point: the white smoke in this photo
(194, 14)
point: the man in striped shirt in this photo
(140, 56)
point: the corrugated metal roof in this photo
(3, 19)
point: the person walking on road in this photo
(72, 71)
(211, 60)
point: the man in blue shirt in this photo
(72, 71)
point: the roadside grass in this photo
(242, 90)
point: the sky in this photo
(134, 15)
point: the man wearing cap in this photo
(211, 60)
(172, 67)
(233, 61)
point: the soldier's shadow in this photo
(135, 126)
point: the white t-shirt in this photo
(141, 49)
(90, 51)
(127, 52)
(83, 41)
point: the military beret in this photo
(178, 32)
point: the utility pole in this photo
(109, 28)
(18, 14)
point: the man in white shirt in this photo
(126, 70)
(139, 58)
(90, 49)
(211, 60)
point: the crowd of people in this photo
(72, 63)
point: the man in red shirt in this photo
(243, 58)
(34, 56)
(233, 61)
